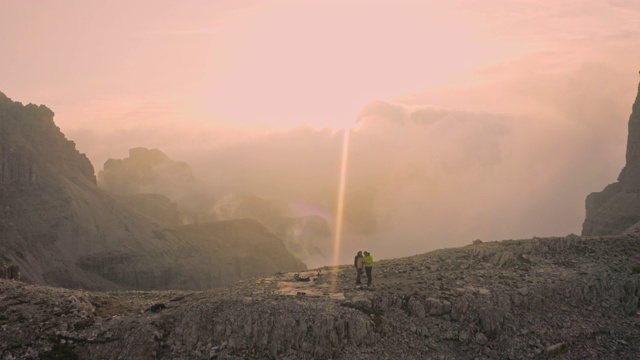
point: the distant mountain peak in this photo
(60, 229)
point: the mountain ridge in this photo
(62, 230)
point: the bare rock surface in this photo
(564, 298)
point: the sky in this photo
(502, 114)
(278, 64)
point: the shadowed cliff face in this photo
(616, 209)
(62, 230)
(32, 147)
(630, 175)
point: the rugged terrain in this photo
(62, 230)
(568, 298)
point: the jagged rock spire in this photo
(630, 175)
(616, 209)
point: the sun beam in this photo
(340, 203)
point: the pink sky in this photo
(277, 64)
(176, 74)
(530, 99)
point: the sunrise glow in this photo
(452, 106)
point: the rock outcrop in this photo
(150, 171)
(60, 229)
(166, 190)
(27, 130)
(566, 298)
(616, 209)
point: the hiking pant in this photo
(368, 270)
(359, 271)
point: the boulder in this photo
(491, 321)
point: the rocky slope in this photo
(566, 298)
(308, 237)
(616, 209)
(61, 230)
(158, 207)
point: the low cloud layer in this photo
(508, 148)
(443, 176)
(427, 176)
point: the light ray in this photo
(340, 205)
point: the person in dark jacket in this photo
(358, 263)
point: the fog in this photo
(422, 177)
(490, 120)
(441, 177)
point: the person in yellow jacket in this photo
(368, 266)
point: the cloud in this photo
(110, 127)
(383, 109)
(512, 158)
(435, 176)
(507, 151)
(190, 32)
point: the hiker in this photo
(358, 263)
(368, 266)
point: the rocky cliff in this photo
(150, 171)
(616, 209)
(61, 230)
(33, 147)
(565, 298)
